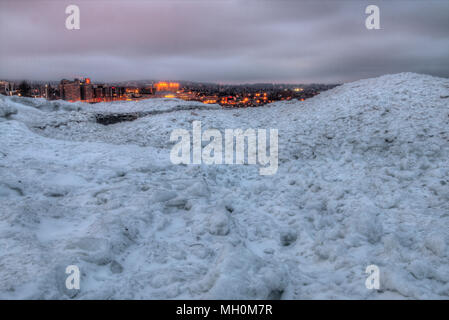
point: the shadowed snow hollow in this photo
(363, 179)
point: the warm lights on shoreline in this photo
(167, 86)
(227, 96)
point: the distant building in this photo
(167, 86)
(166, 89)
(130, 90)
(77, 90)
(70, 90)
(87, 91)
(147, 90)
(108, 92)
(98, 92)
(209, 99)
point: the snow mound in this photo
(363, 179)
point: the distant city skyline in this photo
(234, 96)
(150, 81)
(223, 42)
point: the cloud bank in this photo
(222, 41)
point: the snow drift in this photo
(363, 179)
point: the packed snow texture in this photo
(363, 179)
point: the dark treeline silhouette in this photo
(25, 89)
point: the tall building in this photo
(98, 92)
(87, 91)
(70, 90)
(76, 90)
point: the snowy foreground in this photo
(363, 179)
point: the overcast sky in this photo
(235, 41)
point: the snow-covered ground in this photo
(363, 179)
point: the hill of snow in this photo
(363, 179)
